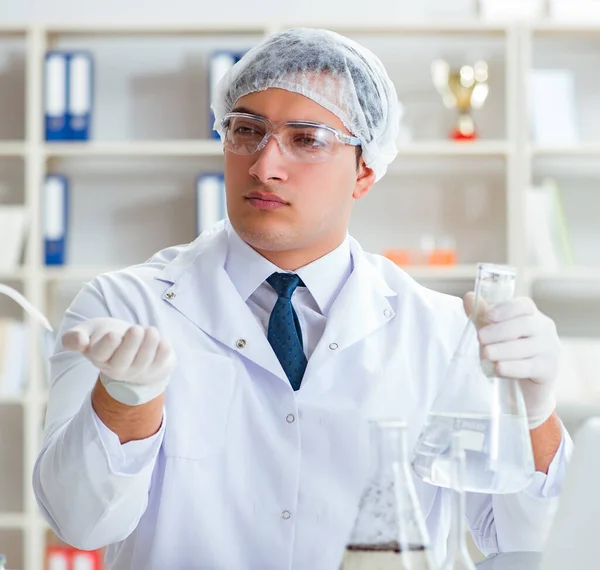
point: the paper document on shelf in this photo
(549, 243)
(571, 387)
(12, 235)
(493, 10)
(581, 363)
(552, 107)
(13, 361)
(575, 10)
(538, 226)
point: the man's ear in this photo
(365, 178)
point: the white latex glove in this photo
(135, 364)
(523, 344)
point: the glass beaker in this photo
(389, 532)
(458, 557)
(487, 412)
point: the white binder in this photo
(220, 63)
(55, 96)
(79, 112)
(56, 213)
(210, 201)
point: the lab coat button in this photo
(285, 515)
(170, 295)
(241, 343)
(290, 418)
(334, 346)
(387, 313)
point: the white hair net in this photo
(337, 73)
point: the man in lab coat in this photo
(209, 407)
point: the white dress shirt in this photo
(324, 279)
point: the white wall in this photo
(196, 11)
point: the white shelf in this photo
(577, 411)
(12, 148)
(214, 148)
(17, 401)
(12, 521)
(473, 26)
(83, 274)
(453, 148)
(8, 30)
(12, 274)
(550, 26)
(466, 27)
(134, 148)
(442, 273)
(591, 149)
(155, 30)
(566, 274)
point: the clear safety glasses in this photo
(303, 141)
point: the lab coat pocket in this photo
(198, 402)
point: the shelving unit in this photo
(590, 150)
(486, 177)
(214, 148)
(452, 149)
(12, 274)
(12, 149)
(132, 149)
(13, 522)
(568, 274)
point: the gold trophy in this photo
(464, 90)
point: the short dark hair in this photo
(358, 155)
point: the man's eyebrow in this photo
(247, 111)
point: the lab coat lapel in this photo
(362, 307)
(202, 291)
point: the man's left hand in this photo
(524, 344)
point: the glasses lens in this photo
(300, 141)
(310, 143)
(244, 134)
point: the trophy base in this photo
(462, 136)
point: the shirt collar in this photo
(324, 277)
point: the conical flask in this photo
(487, 412)
(458, 557)
(389, 532)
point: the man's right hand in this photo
(135, 364)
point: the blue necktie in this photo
(284, 333)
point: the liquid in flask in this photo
(458, 557)
(485, 411)
(389, 532)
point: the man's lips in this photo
(266, 200)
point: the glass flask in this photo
(458, 557)
(389, 532)
(487, 412)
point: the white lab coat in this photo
(245, 473)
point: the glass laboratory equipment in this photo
(487, 412)
(389, 532)
(2, 562)
(458, 557)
